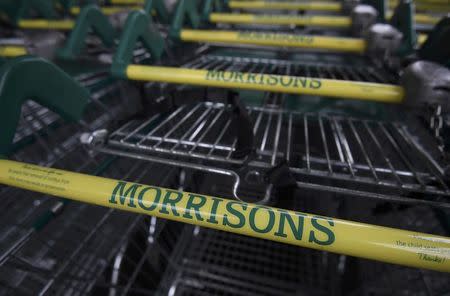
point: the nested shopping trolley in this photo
(43, 136)
(255, 169)
(120, 253)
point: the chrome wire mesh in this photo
(30, 252)
(351, 152)
(217, 263)
(87, 248)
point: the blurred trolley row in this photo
(335, 108)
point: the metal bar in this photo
(325, 144)
(277, 138)
(372, 195)
(381, 151)
(266, 132)
(344, 144)
(273, 83)
(206, 131)
(400, 153)
(177, 125)
(305, 126)
(327, 234)
(219, 137)
(193, 126)
(363, 150)
(428, 160)
(289, 139)
(161, 124)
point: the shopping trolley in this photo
(43, 137)
(126, 253)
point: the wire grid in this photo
(74, 253)
(119, 253)
(352, 152)
(36, 118)
(320, 69)
(52, 142)
(217, 263)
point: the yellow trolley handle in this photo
(287, 5)
(127, 2)
(301, 229)
(354, 45)
(107, 10)
(11, 51)
(267, 82)
(274, 19)
(313, 20)
(41, 24)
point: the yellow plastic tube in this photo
(355, 45)
(426, 19)
(315, 20)
(108, 10)
(296, 228)
(386, 93)
(426, 6)
(41, 24)
(421, 38)
(267, 19)
(287, 5)
(11, 51)
(128, 2)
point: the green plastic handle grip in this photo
(186, 10)
(138, 27)
(90, 17)
(32, 78)
(19, 9)
(159, 7)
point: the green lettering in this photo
(224, 78)
(212, 216)
(296, 229)
(195, 206)
(213, 75)
(328, 232)
(236, 213)
(272, 80)
(124, 196)
(315, 83)
(144, 203)
(251, 78)
(172, 202)
(270, 222)
(261, 79)
(239, 76)
(284, 83)
(303, 81)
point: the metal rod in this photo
(325, 144)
